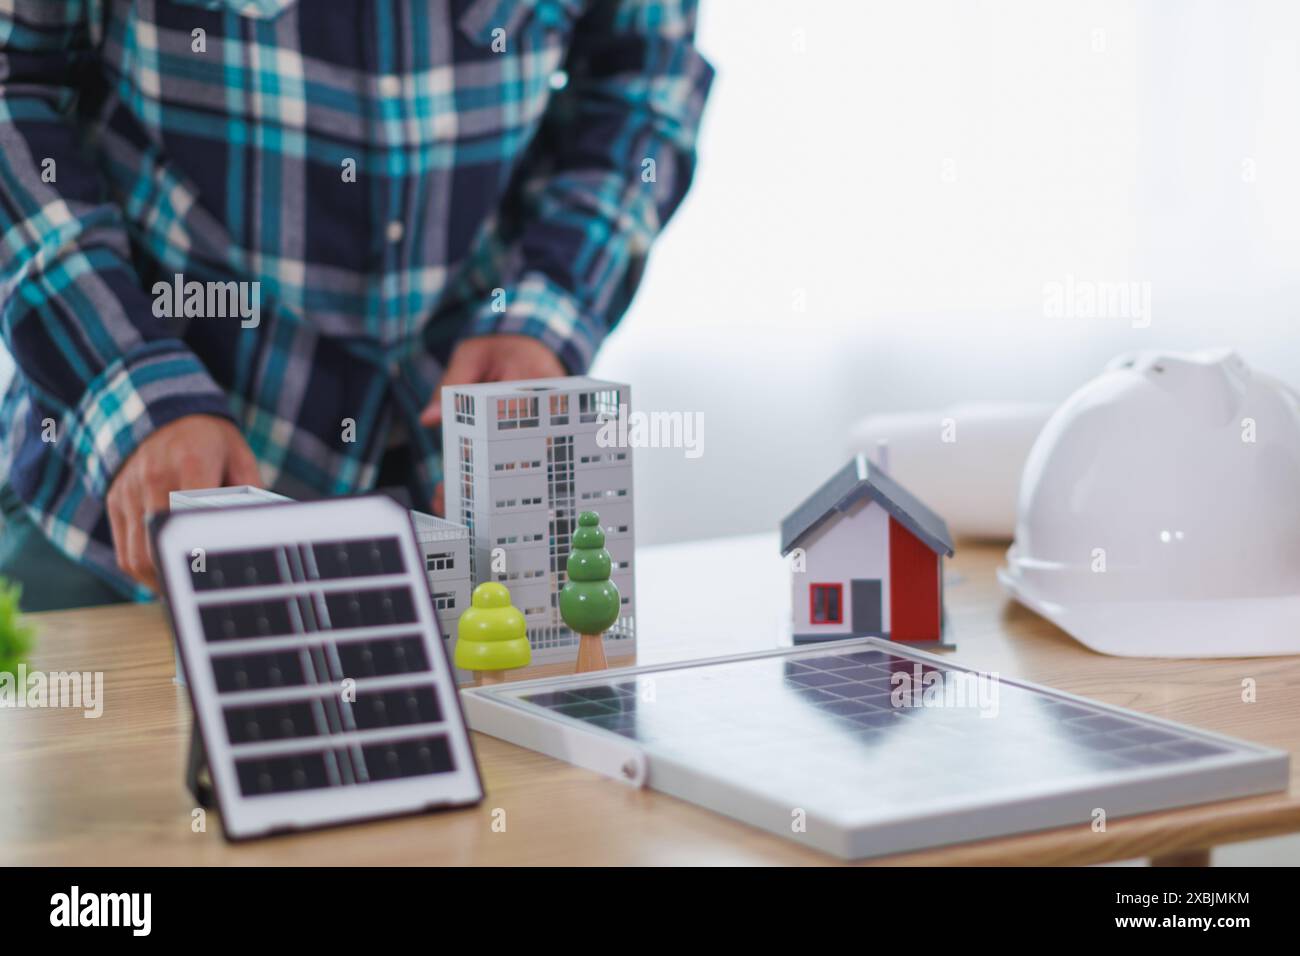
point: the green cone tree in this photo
(589, 601)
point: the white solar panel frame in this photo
(274, 525)
(861, 832)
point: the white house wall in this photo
(852, 544)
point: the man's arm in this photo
(72, 311)
(613, 159)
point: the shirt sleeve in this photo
(613, 159)
(73, 314)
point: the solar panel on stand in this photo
(321, 688)
(863, 748)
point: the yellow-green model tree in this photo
(492, 636)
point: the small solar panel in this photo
(863, 748)
(321, 689)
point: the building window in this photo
(559, 409)
(826, 603)
(517, 413)
(593, 405)
(465, 409)
(467, 488)
(445, 602)
(444, 561)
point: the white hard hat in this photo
(1159, 511)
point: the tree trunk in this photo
(591, 653)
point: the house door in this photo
(868, 615)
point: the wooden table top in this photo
(79, 791)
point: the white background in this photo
(1154, 142)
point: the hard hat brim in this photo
(1240, 627)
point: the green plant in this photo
(15, 635)
(589, 602)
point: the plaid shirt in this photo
(395, 174)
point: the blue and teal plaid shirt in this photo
(395, 174)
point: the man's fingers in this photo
(196, 469)
(526, 360)
(137, 562)
(118, 525)
(241, 465)
(156, 500)
(513, 369)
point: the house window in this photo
(441, 561)
(826, 603)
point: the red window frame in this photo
(839, 602)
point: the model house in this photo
(866, 560)
(521, 461)
(445, 546)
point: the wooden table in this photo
(83, 791)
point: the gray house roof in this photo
(857, 480)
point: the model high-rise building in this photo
(521, 461)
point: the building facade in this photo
(521, 461)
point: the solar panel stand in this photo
(198, 779)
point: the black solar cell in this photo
(382, 657)
(259, 671)
(237, 569)
(357, 558)
(408, 758)
(261, 722)
(268, 775)
(396, 708)
(373, 607)
(244, 619)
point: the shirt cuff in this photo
(538, 307)
(133, 397)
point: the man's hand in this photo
(490, 358)
(196, 451)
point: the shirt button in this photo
(395, 231)
(390, 85)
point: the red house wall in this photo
(915, 609)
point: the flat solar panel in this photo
(321, 688)
(872, 749)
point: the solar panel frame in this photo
(249, 528)
(871, 829)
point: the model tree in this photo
(492, 636)
(15, 636)
(589, 600)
